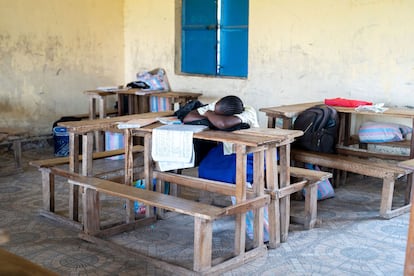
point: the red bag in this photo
(346, 102)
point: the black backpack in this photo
(320, 129)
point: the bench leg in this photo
(273, 209)
(311, 206)
(409, 189)
(258, 186)
(90, 202)
(284, 156)
(17, 148)
(387, 195)
(203, 239)
(74, 167)
(48, 190)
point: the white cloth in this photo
(210, 107)
(248, 116)
(377, 108)
(172, 146)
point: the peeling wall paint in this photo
(50, 52)
(299, 50)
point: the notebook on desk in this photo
(172, 146)
(137, 123)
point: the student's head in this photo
(229, 105)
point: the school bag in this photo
(320, 129)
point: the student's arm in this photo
(193, 115)
(220, 121)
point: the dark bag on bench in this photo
(320, 129)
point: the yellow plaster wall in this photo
(53, 50)
(299, 51)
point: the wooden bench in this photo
(388, 172)
(46, 166)
(309, 181)
(203, 214)
(312, 177)
(14, 136)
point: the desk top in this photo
(253, 137)
(108, 123)
(407, 164)
(290, 111)
(249, 137)
(141, 92)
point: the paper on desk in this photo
(108, 88)
(170, 120)
(172, 146)
(377, 108)
(137, 123)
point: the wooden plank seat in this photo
(309, 181)
(388, 172)
(203, 214)
(47, 163)
(46, 166)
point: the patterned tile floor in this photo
(351, 240)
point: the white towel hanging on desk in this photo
(172, 146)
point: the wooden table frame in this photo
(263, 143)
(138, 102)
(86, 129)
(288, 112)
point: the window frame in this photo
(178, 47)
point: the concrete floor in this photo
(351, 240)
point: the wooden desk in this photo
(86, 129)
(288, 112)
(138, 101)
(263, 143)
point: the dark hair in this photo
(230, 105)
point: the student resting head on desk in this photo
(218, 161)
(228, 113)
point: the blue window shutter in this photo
(234, 38)
(199, 37)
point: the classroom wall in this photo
(53, 50)
(299, 51)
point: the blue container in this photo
(61, 141)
